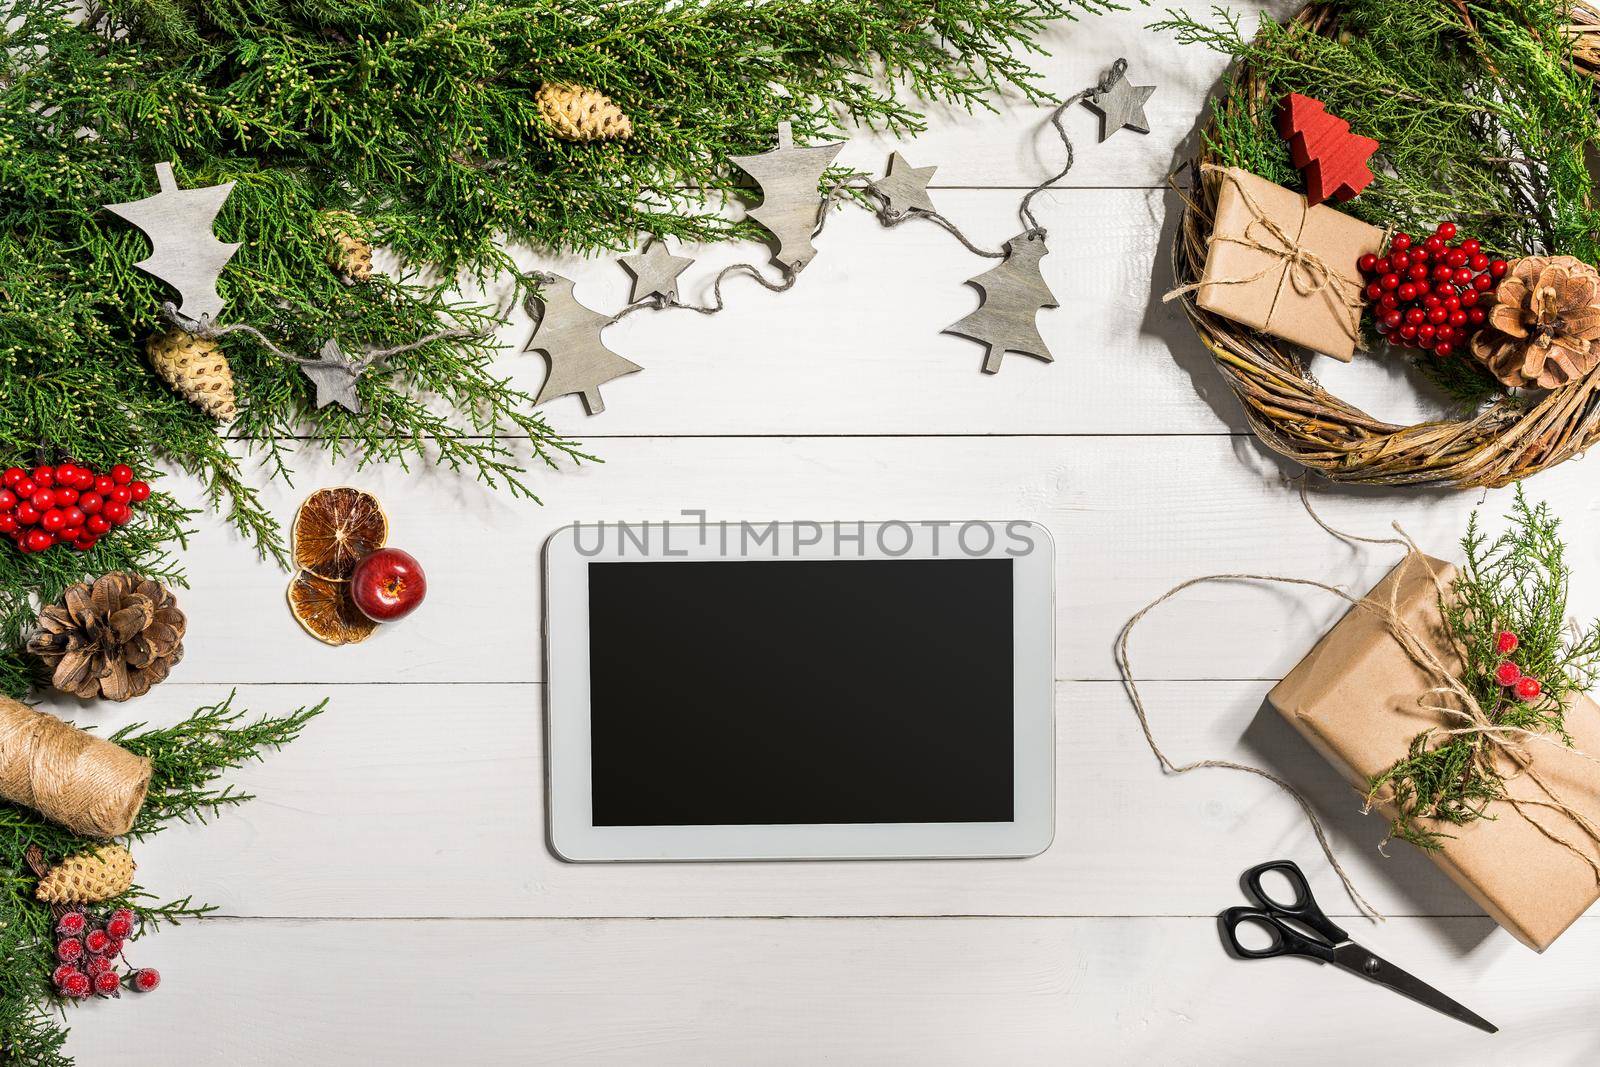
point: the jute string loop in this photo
(86, 783)
(1464, 707)
(1308, 272)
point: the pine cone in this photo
(348, 253)
(196, 369)
(115, 638)
(88, 877)
(575, 113)
(1544, 320)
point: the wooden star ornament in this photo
(1121, 106)
(334, 375)
(1010, 299)
(789, 178)
(655, 272)
(569, 336)
(905, 188)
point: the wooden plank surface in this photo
(794, 991)
(389, 898)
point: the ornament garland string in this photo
(1011, 294)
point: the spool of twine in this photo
(83, 782)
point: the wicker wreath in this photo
(1295, 416)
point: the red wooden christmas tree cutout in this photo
(1332, 160)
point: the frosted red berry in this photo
(71, 924)
(107, 983)
(146, 979)
(76, 985)
(1529, 689)
(1506, 642)
(1508, 673)
(118, 927)
(97, 965)
(114, 948)
(69, 950)
(96, 941)
(62, 973)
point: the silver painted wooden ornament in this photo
(334, 375)
(655, 272)
(1010, 298)
(1121, 106)
(905, 188)
(184, 252)
(569, 336)
(790, 178)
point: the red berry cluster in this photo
(88, 950)
(1430, 295)
(68, 504)
(1508, 674)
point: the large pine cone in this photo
(89, 877)
(114, 638)
(1544, 320)
(576, 113)
(197, 369)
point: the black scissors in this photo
(1288, 924)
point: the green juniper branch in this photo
(1518, 582)
(417, 117)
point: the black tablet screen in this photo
(801, 691)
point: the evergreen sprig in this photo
(417, 118)
(1518, 583)
(187, 760)
(1481, 116)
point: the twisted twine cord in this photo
(86, 783)
(1500, 740)
(204, 328)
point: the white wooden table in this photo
(389, 897)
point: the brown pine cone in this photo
(114, 638)
(349, 252)
(1544, 320)
(575, 113)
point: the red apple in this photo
(388, 584)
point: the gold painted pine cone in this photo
(575, 113)
(1544, 322)
(348, 252)
(113, 638)
(89, 877)
(197, 370)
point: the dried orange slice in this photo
(335, 528)
(326, 611)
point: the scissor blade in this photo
(1357, 960)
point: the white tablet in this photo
(737, 691)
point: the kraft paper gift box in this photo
(1284, 267)
(1355, 698)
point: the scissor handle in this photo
(1286, 940)
(1302, 909)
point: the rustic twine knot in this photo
(86, 783)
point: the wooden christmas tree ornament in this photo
(789, 178)
(197, 369)
(576, 113)
(1010, 299)
(102, 873)
(569, 336)
(184, 254)
(1332, 160)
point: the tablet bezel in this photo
(570, 551)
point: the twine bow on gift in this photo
(1501, 742)
(1305, 270)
